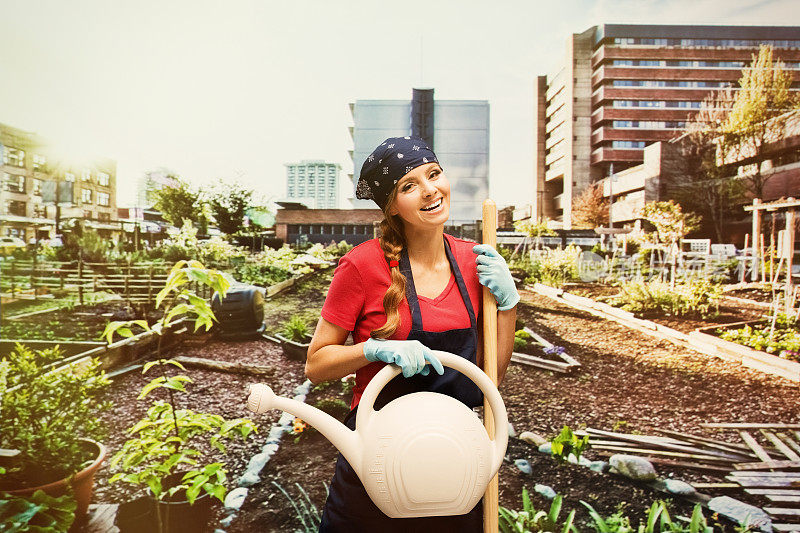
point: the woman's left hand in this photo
(493, 273)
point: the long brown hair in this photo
(392, 242)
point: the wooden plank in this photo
(664, 452)
(765, 483)
(764, 492)
(669, 446)
(722, 445)
(785, 527)
(770, 465)
(781, 446)
(755, 446)
(783, 511)
(716, 486)
(746, 475)
(748, 425)
(789, 441)
(782, 498)
(688, 465)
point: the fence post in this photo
(150, 287)
(33, 275)
(13, 279)
(127, 282)
(80, 276)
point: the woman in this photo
(411, 291)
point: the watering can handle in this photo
(366, 406)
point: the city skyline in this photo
(209, 90)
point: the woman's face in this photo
(423, 197)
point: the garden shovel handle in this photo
(491, 496)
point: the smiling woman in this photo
(403, 295)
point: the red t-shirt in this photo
(355, 299)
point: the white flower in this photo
(408, 169)
(406, 137)
(385, 170)
(391, 146)
(371, 158)
(415, 147)
(377, 183)
(399, 156)
(424, 159)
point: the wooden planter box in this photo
(296, 351)
(706, 339)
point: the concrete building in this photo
(623, 87)
(314, 183)
(457, 130)
(41, 189)
(150, 183)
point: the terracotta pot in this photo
(82, 483)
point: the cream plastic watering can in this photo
(422, 454)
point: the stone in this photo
(226, 522)
(545, 491)
(524, 466)
(511, 432)
(249, 478)
(632, 467)
(532, 438)
(235, 498)
(258, 461)
(599, 466)
(545, 448)
(740, 512)
(678, 487)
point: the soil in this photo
(627, 382)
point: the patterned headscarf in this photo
(393, 159)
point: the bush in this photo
(784, 341)
(260, 274)
(296, 329)
(692, 297)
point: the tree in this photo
(698, 182)
(758, 115)
(590, 209)
(229, 203)
(671, 224)
(178, 203)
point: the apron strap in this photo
(411, 292)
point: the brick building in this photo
(30, 170)
(623, 87)
(294, 222)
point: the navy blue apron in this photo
(349, 508)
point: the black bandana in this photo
(393, 159)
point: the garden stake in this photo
(490, 497)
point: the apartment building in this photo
(622, 87)
(41, 190)
(314, 183)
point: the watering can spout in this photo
(261, 398)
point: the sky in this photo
(236, 89)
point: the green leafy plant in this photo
(783, 339)
(533, 521)
(335, 407)
(567, 443)
(657, 520)
(296, 329)
(521, 338)
(163, 442)
(45, 411)
(37, 513)
(691, 297)
(305, 510)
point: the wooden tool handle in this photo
(491, 496)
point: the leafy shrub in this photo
(521, 338)
(692, 297)
(567, 443)
(261, 275)
(38, 513)
(656, 520)
(533, 521)
(296, 329)
(554, 267)
(784, 341)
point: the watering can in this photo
(422, 454)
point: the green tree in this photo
(229, 203)
(697, 181)
(178, 203)
(758, 115)
(671, 224)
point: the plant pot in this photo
(82, 483)
(140, 515)
(296, 351)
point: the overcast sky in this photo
(236, 89)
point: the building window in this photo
(103, 179)
(87, 214)
(628, 144)
(13, 157)
(15, 232)
(14, 207)
(104, 217)
(103, 199)
(69, 176)
(38, 162)
(40, 210)
(13, 183)
(37, 187)
(86, 175)
(86, 196)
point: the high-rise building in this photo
(457, 130)
(622, 87)
(41, 188)
(314, 183)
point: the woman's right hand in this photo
(411, 356)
